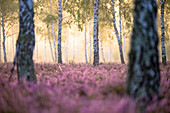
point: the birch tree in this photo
(13, 43)
(3, 29)
(66, 47)
(120, 22)
(74, 47)
(60, 17)
(8, 11)
(85, 40)
(54, 40)
(50, 43)
(101, 46)
(45, 47)
(162, 2)
(90, 42)
(124, 43)
(117, 34)
(95, 34)
(59, 32)
(25, 43)
(143, 80)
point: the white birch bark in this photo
(95, 34)
(26, 42)
(74, 47)
(90, 41)
(124, 44)
(50, 44)
(163, 33)
(37, 48)
(66, 48)
(120, 23)
(117, 35)
(102, 51)
(13, 44)
(85, 41)
(143, 78)
(110, 53)
(54, 40)
(45, 47)
(3, 28)
(59, 32)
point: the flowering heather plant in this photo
(76, 88)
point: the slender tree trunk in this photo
(37, 49)
(6, 40)
(77, 51)
(120, 23)
(90, 41)
(50, 44)
(45, 49)
(85, 41)
(95, 34)
(74, 47)
(117, 35)
(37, 45)
(13, 45)
(0, 44)
(124, 44)
(59, 32)
(3, 28)
(110, 55)
(66, 47)
(54, 40)
(163, 33)
(102, 51)
(26, 42)
(143, 79)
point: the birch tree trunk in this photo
(120, 23)
(59, 32)
(101, 45)
(85, 41)
(7, 40)
(74, 47)
(26, 42)
(3, 28)
(110, 53)
(117, 35)
(0, 44)
(37, 45)
(45, 49)
(13, 43)
(95, 34)
(90, 40)
(163, 33)
(66, 48)
(50, 43)
(37, 49)
(143, 80)
(124, 44)
(54, 40)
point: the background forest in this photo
(90, 56)
(77, 30)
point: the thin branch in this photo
(11, 34)
(63, 4)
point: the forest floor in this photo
(76, 88)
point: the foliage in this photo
(10, 10)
